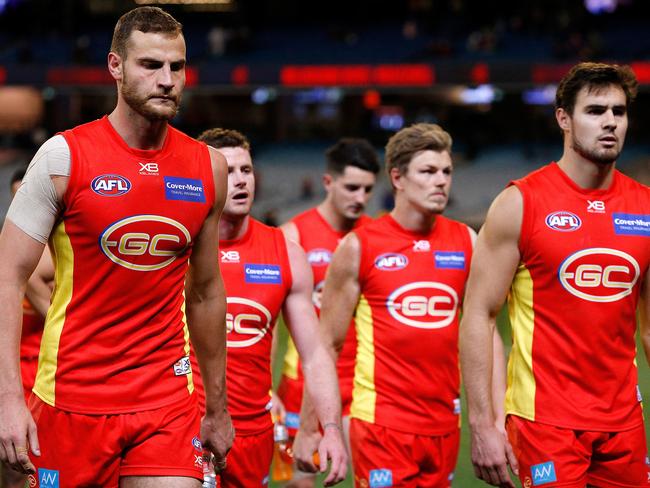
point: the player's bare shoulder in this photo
(290, 231)
(505, 215)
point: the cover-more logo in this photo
(423, 304)
(144, 242)
(599, 274)
(247, 322)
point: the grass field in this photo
(464, 477)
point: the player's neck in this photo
(137, 131)
(336, 221)
(412, 219)
(233, 228)
(585, 173)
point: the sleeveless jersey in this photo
(257, 276)
(411, 288)
(116, 338)
(30, 339)
(319, 240)
(572, 304)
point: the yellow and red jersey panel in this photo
(257, 276)
(319, 240)
(115, 338)
(406, 376)
(584, 255)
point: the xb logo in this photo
(595, 206)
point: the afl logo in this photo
(391, 262)
(599, 274)
(423, 304)
(563, 221)
(319, 257)
(110, 185)
(247, 322)
(144, 242)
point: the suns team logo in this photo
(599, 274)
(110, 185)
(563, 221)
(424, 305)
(144, 242)
(247, 322)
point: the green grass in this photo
(464, 477)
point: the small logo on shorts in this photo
(48, 478)
(196, 442)
(456, 406)
(292, 420)
(32, 481)
(543, 473)
(380, 478)
(182, 366)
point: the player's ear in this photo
(563, 119)
(396, 178)
(328, 179)
(115, 66)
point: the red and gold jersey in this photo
(115, 337)
(257, 276)
(572, 304)
(319, 240)
(412, 285)
(30, 339)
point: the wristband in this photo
(332, 424)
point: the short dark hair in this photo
(409, 141)
(350, 151)
(219, 138)
(594, 76)
(143, 19)
(18, 175)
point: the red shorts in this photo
(388, 457)
(28, 367)
(554, 456)
(290, 392)
(96, 450)
(249, 461)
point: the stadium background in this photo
(295, 77)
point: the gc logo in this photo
(423, 304)
(247, 322)
(599, 274)
(144, 242)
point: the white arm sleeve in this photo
(35, 207)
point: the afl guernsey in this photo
(257, 276)
(319, 240)
(411, 288)
(116, 338)
(573, 300)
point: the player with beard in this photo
(265, 274)
(569, 245)
(350, 175)
(130, 206)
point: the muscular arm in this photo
(494, 263)
(644, 316)
(317, 364)
(206, 319)
(40, 283)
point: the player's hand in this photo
(491, 455)
(278, 412)
(332, 449)
(17, 434)
(304, 446)
(217, 435)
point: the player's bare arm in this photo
(644, 316)
(318, 366)
(40, 284)
(494, 263)
(206, 317)
(290, 231)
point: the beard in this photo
(139, 103)
(601, 157)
